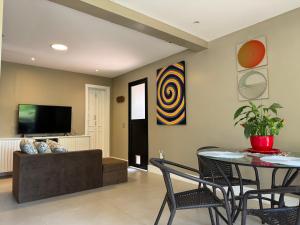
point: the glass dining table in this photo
(289, 162)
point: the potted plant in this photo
(260, 124)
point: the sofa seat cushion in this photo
(114, 171)
(112, 164)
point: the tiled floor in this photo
(134, 203)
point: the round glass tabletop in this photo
(287, 160)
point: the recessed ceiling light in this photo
(32, 59)
(59, 47)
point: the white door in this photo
(96, 119)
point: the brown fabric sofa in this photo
(46, 175)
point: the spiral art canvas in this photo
(171, 102)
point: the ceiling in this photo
(102, 48)
(216, 17)
(31, 26)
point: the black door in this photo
(138, 124)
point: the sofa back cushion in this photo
(28, 147)
(56, 147)
(42, 147)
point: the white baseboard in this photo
(153, 169)
(137, 168)
(290, 201)
(118, 158)
(5, 175)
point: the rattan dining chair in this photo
(221, 173)
(289, 178)
(212, 173)
(197, 198)
(273, 216)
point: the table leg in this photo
(258, 187)
(239, 208)
(257, 180)
(230, 192)
(273, 185)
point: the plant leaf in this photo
(252, 105)
(240, 120)
(274, 107)
(239, 111)
(259, 120)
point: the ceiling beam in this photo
(115, 13)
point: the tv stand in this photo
(46, 139)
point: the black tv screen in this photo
(44, 119)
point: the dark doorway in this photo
(138, 124)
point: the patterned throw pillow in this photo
(28, 147)
(56, 147)
(42, 147)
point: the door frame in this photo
(130, 84)
(107, 112)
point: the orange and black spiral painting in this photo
(171, 107)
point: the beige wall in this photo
(211, 83)
(1, 25)
(28, 84)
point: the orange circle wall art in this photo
(251, 54)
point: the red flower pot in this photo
(262, 143)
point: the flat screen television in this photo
(44, 119)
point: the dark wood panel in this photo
(138, 132)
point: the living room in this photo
(110, 49)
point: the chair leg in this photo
(228, 214)
(238, 211)
(171, 217)
(161, 211)
(244, 217)
(215, 209)
(211, 216)
(261, 207)
(217, 217)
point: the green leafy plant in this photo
(259, 120)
